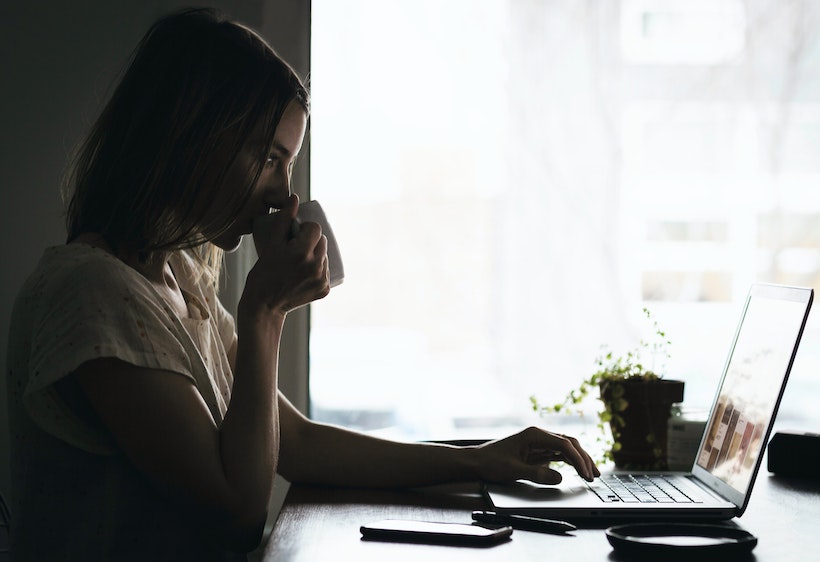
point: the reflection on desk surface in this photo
(323, 524)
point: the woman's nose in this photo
(280, 190)
(286, 185)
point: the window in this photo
(511, 182)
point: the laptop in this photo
(740, 421)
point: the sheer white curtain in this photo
(512, 181)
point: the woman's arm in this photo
(329, 455)
(160, 421)
(163, 425)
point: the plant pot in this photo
(641, 427)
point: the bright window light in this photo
(511, 182)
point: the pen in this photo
(523, 522)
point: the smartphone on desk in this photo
(428, 532)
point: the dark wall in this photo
(58, 59)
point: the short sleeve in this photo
(89, 310)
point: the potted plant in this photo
(636, 402)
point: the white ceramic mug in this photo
(309, 211)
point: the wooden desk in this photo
(319, 524)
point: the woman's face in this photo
(273, 187)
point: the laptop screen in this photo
(751, 388)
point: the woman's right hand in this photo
(292, 270)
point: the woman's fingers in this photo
(585, 458)
(551, 445)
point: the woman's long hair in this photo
(153, 163)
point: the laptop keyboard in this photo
(629, 488)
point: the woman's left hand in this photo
(527, 454)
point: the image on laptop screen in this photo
(750, 390)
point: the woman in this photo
(146, 421)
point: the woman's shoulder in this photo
(82, 263)
(77, 273)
